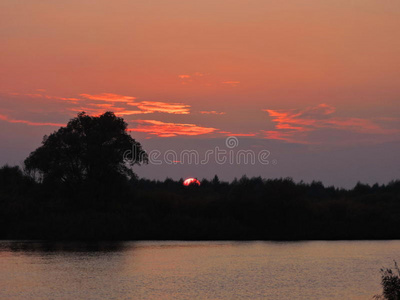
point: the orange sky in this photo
(278, 70)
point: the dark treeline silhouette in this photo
(248, 208)
(78, 186)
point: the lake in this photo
(194, 270)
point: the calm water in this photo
(194, 270)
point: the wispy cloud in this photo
(148, 107)
(109, 97)
(231, 83)
(30, 123)
(44, 96)
(120, 104)
(162, 129)
(297, 125)
(191, 78)
(117, 104)
(212, 112)
(228, 133)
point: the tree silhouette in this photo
(90, 149)
(215, 180)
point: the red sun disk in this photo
(191, 181)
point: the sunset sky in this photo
(316, 82)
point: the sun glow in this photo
(191, 181)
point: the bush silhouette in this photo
(390, 281)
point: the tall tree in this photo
(89, 149)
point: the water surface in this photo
(194, 270)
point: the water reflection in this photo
(193, 270)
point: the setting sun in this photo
(191, 181)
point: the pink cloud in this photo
(108, 97)
(228, 133)
(231, 83)
(44, 96)
(164, 107)
(195, 77)
(120, 104)
(30, 123)
(241, 134)
(144, 107)
(296, 125)
(162, 129)
(212, 112)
